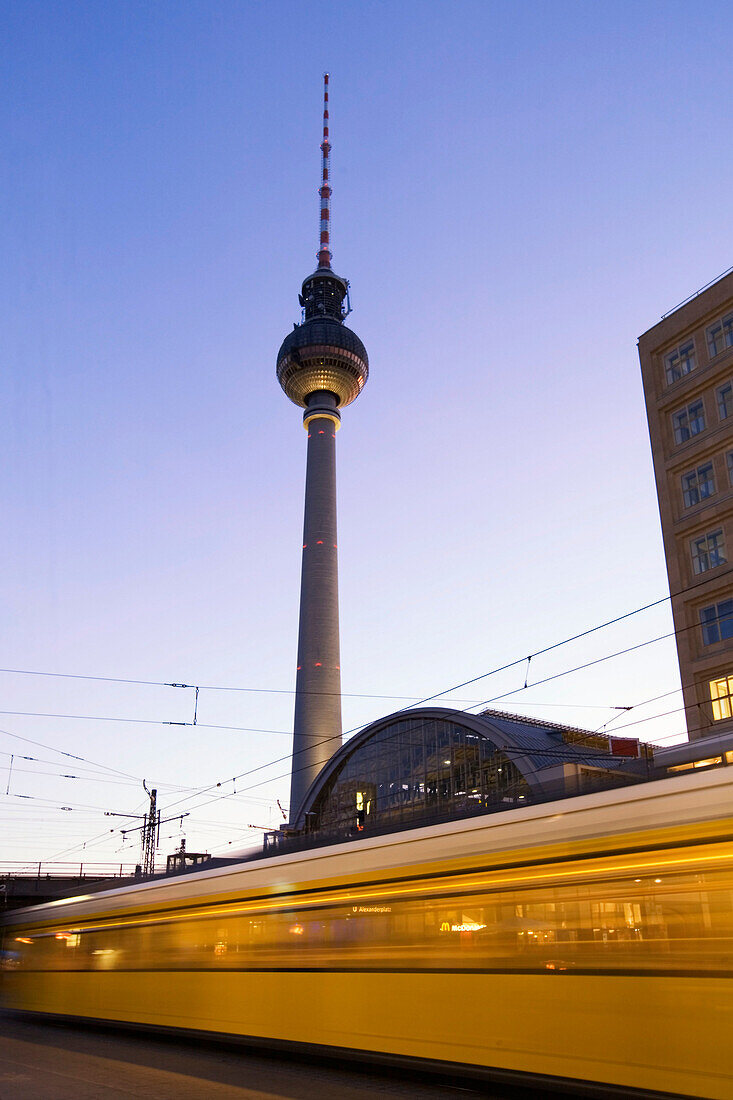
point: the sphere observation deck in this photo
(322, 354)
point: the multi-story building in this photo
(687, 370)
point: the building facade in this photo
(687, 371)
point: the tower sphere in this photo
(322, 353)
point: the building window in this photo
(680, 361)
(710, 762)
(708, 552)
(721, 691)
(729, 460)
(698, 484)
(411, 770)
(688, 422)
(725, 401)
(717, 622)
(720, 335)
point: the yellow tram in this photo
(587, 940)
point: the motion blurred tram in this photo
(579, 944)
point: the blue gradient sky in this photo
(520, 189)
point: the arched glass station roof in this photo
(431, 764)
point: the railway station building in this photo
(432, 764)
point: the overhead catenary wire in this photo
(640, 721)
(324, 741)
(281, 759)
(70, 809)
(355, 695)
(217, 726)
(192, 795)
(580, 668)
(202, 687)
(200, 792)
(414, 702)
(417, 703)
(71, 755)
(127, 721)
(91, 776)
(99, 837)
(243, 791)
(64, 775)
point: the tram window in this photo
(651, 920)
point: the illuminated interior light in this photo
(709, 762)
(69, 901)
(23, 939)
(657, 880)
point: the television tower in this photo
(322, 366)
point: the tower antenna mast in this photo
(324, 251)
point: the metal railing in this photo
(697, 292)
(10, 868)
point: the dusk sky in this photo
(520, 190)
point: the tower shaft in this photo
(322, 366)
(317, 727)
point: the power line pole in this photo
(150, 833)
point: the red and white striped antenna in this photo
(324, 252)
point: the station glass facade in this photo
(414, 769)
